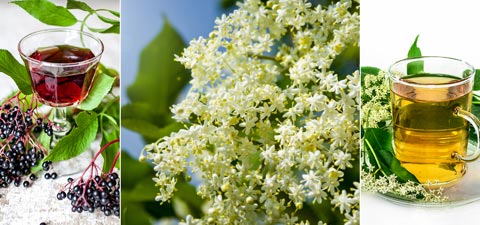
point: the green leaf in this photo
(12, 68)
(78, 140)
(381, 154)
(115, 13)
(144, 190)
(72, 4)
(110, 153)
(188, 194)
(101, 87)
(228, 3)
(145, 111)
(106, 19)
(475, 111)
(135, 173)
(416, 66)
(151, 121)
(135, 213)
(414, 50)
(47, 12)
(115, 29)
(160, 78)
(370, 70)
(476, 84)
(149, 131)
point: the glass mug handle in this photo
(475, 122)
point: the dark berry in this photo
(45, 166)
(61, 195)
(113, 176)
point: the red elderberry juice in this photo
(62, 84)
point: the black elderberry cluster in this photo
(17, 155)
(17, 162)
(15, 124)
(99, 193)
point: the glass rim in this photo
(64, 30)
(461, 81)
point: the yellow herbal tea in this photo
(426, 131)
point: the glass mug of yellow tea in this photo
(431, 101)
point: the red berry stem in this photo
(105, 147)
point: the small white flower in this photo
(343, 201)
(263, 117)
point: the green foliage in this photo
(12, 68)
(72, 4)
(226, 4)
(47, 12)
(101, 86)
(51, 14)
(138, 193)
(99, 115)
(160, 77)
(158, 84)
(378, 143)
(109, 119)
(78, 140)
(149, 121)
(476, 85)
(416, 66)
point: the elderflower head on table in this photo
(261, 111)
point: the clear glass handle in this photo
(475, 122)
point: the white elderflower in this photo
(269, 125)
(343, 201)
(375, 100)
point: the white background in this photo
(446, 28)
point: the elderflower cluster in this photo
(269, 126)
(375, 100)
(409, 190)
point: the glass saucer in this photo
(467, 190)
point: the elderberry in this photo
(97, 193)
(19, 146)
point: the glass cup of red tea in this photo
(62, 64)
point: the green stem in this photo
(375, 157)
(267, 57)
(83, 24)
(111, 119)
